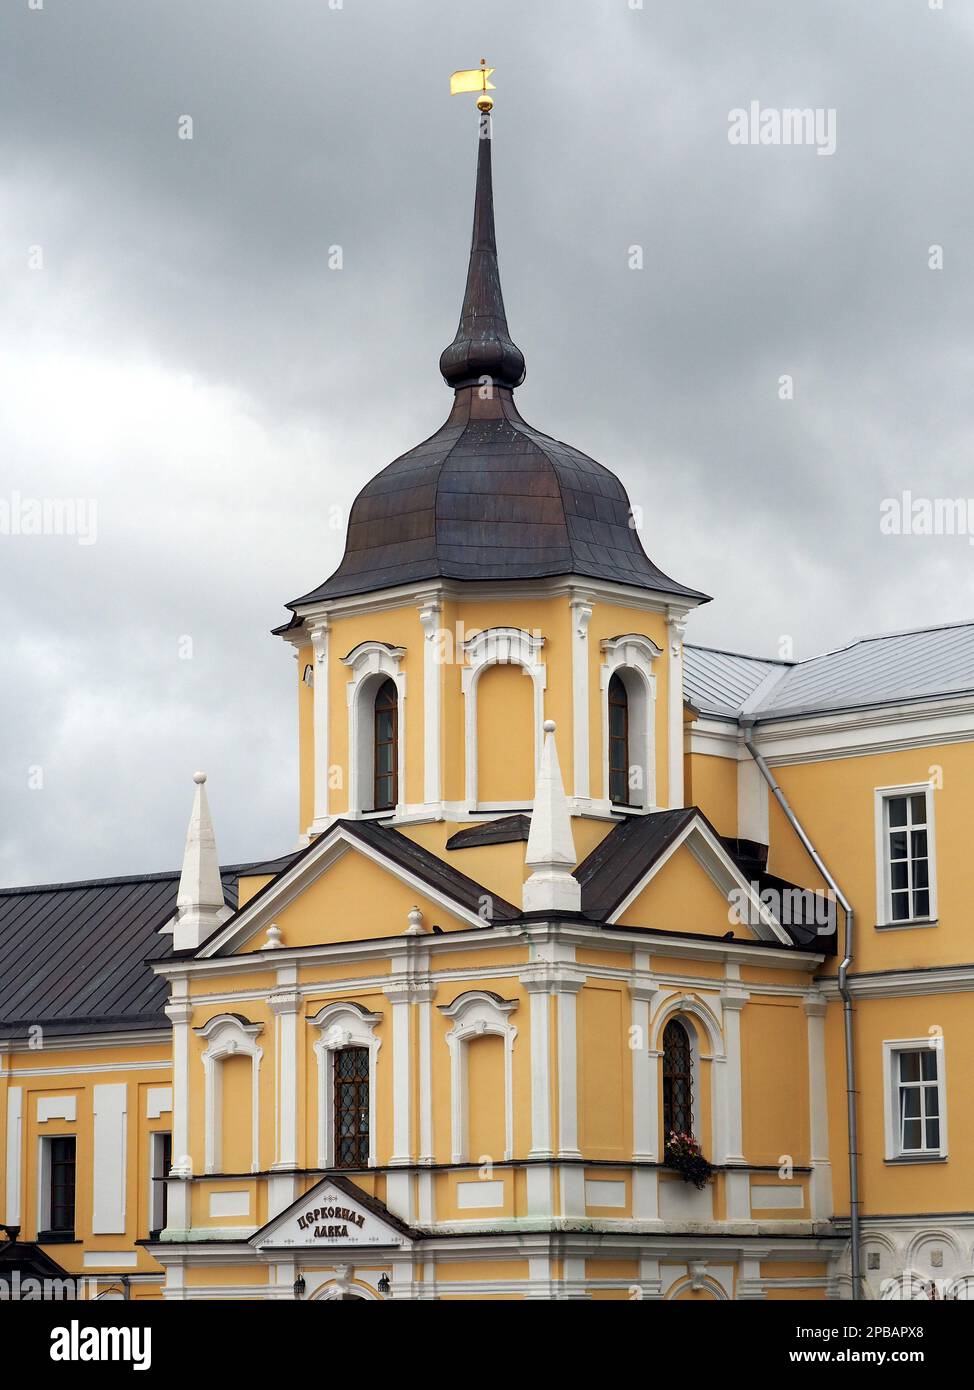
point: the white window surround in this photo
(631, 657)
(892, 1048)
(226, 1036)
(342, 1024)
(883, 795)
(498, 646)
(695, 1020)
(372, 663)
(475, 1013)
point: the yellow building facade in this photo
(590, 936)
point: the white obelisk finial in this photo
(200, 907)
(551, 850)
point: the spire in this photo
(551, 850)
(483, 346)
(200, 907)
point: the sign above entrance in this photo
(328, 1216)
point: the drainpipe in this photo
(846, 995)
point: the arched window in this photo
(677, 1080)
(386, 747)
(351, 1091)
(618, 742)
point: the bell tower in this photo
(492, 579)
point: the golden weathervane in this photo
(474, 80)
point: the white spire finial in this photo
(200, 907)
(551, 850)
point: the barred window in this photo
(386, 747)
(352, 1107)
(618, 742)
(677, 1080)
(62, 1186)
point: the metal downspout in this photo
(844, 991)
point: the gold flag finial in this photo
(474, 80)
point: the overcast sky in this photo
(175, 348)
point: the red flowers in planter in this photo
(683, 1153)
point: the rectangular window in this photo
(905, 877)
(916, 1119)
(57, 1187)
(160, 1162)
(352, 1107)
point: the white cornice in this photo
(840, 733)
(949, 979)
(573, 587)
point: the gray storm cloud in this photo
(176, 350)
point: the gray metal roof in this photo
(718, 682)
(890, 669)
(72, 955)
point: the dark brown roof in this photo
(488, 497)
(506, 830)
(72, 955)
(630, 850)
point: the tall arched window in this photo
(677, 1080)
(618, 742)
(385, 747)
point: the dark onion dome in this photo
(487, 497)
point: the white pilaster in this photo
(429, 617)
(581, 617)
(399, 997)
(180, 1013)
(285, 1004)
(676, 627)
(821, 1183)
(318, 632)
(732, 1001)
(15, 1102)
(540, 1072)
(645, 1062)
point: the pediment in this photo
(335, 1213)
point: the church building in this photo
(607, 966)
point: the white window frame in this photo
(891, 1094)
(631, 657)
(228, 1036)
(499, 646)
(371, 664)
(342, 1024)
(884, 904)
(44, 1179)
(475, 1013)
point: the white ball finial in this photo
(199, 778)
(549, 726)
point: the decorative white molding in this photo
(430, 615)
(475, 1013)
(631, 657)
(676, 628)
(498, 646)
(226, 1036)
(342, 1024)
(816, 1008)
(158, 1101)
(582, 609)
(110, 1107)
(57, 1108)
(318, 631)
(15, 1102)
(230, 1203)
(371, 663)
(285, 1004)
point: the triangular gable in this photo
(440, 889)
(333, 1213)
(691, 833)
